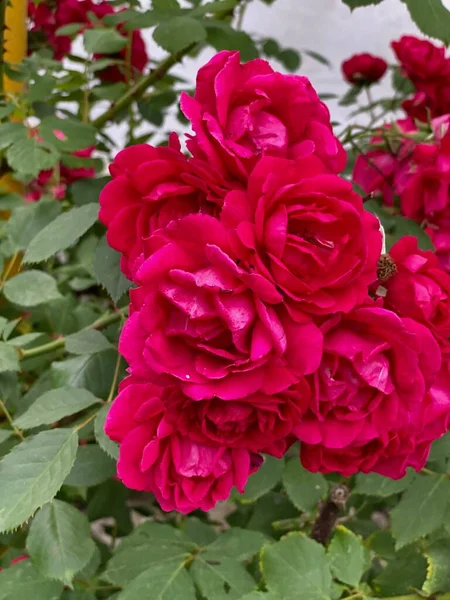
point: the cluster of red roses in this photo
(257, 318)
(50, 15)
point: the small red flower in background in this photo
(364, 69)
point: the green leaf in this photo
(61, 233)
(440, 448)
(59, 541)
(149, 544)
(55, 405)
(11, 133)
(305, 489)
(235, 543)
(421, 509)
(221, 579)
(438, 571)
(297, 568)
(86, 191)
(431, 17)
(88, 341)
(27, 221)
(351, 96)
(266, 478)
(103, 41)
(33, 472)
(346, 554)
(92, 467)
(71, 29)
(198, 531)
(178, 33)
(5, 434)
(107, 271)
(271, 48)
(67, 135)
(107, 445)
(260, 596)
(406, 572)
(377, 485)
(31, 156)
(9, 359)
(352, 4)
(164, 581)
(318, 57)
(290, 59)
(222, 36)
(24, 582)
(219, 6)
(401, 83)
(31, 288)
(404, 226)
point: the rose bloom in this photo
(183, 475)
(259, 423)
(243, 111)
(375, 372)
(216, 326)
(440, 236)
(307, 232)
(392, 452)
(364, 69)
(150, 187)
(419, 289)
(422, 61)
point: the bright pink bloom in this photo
(241, 112)
(150, 187)
(218, 327)
(421, 60)
(182, 474)
(364, 69)
(307, 233)
(375, 372)
(419, 289)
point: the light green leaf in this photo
(165, 581)
(33, 472)
(148, 545)
(440, 448)
(27, 221)
(107, 445)
(88, 341)
(9, 359)
(235, 543)
(266, 478)
(11, 133)
(55, 405)
(431, 17)
(404, 226)
(218, 6)
(67, 135)
(305, 489)
(222, 579)
(318, 57)
(297, 568)
(103, 41)
(178, 33)
(377, 485)
(421, 509)
(406, 572)
(260, 596)
(31, 288)
(107, 271)
(5, 434)
(59, 541)
(222, 36)
(31, 156)
(438, 571)
(61, 233)
(24, 582)
(92, 467)
(71, 29)
(346, 554)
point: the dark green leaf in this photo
(266, 478)
(290, 59)
(318, 57)
(178, 33)
(107, 271)
(401, 575)
(222, 579)
(421, 509)
(23, 582)
(400, 83)
(88, 341)
(222, 36)
(9, 359)
(31, 156)
(377, 485)
(55, 405)
(107, 445)
(440, 448)
(404, 226)
(86, 191)
(92, 467)
(103, 41)
(297, 568)
(431, 17)
(32, 474)
(352, 4)
(346, 554)
(31, 288)
(163, 581)
(305, 489)
(199, 532)
(59, 542)
(438, 571)
(61, 233)
(28, 221)
(271, 48)
(351, 96)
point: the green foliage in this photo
(107, 271)
(24, 582)
(31, 288)
(266, 478)
(92, 467)
(431, 17)
(103, 41)
(352, 4)
(346, 554)
(178, 33)
(305, 489)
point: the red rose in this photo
(375, 372)
(243, 111)
(421, 60)
(419, 289)
(364, 69)
(259, 423)
(150, 187)
(201, 319)
(307, 233)
(182, 474)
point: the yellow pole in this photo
(15, 40)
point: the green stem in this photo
(10, 421)
(3, 4)
(60, 343)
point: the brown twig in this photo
(328, 514)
